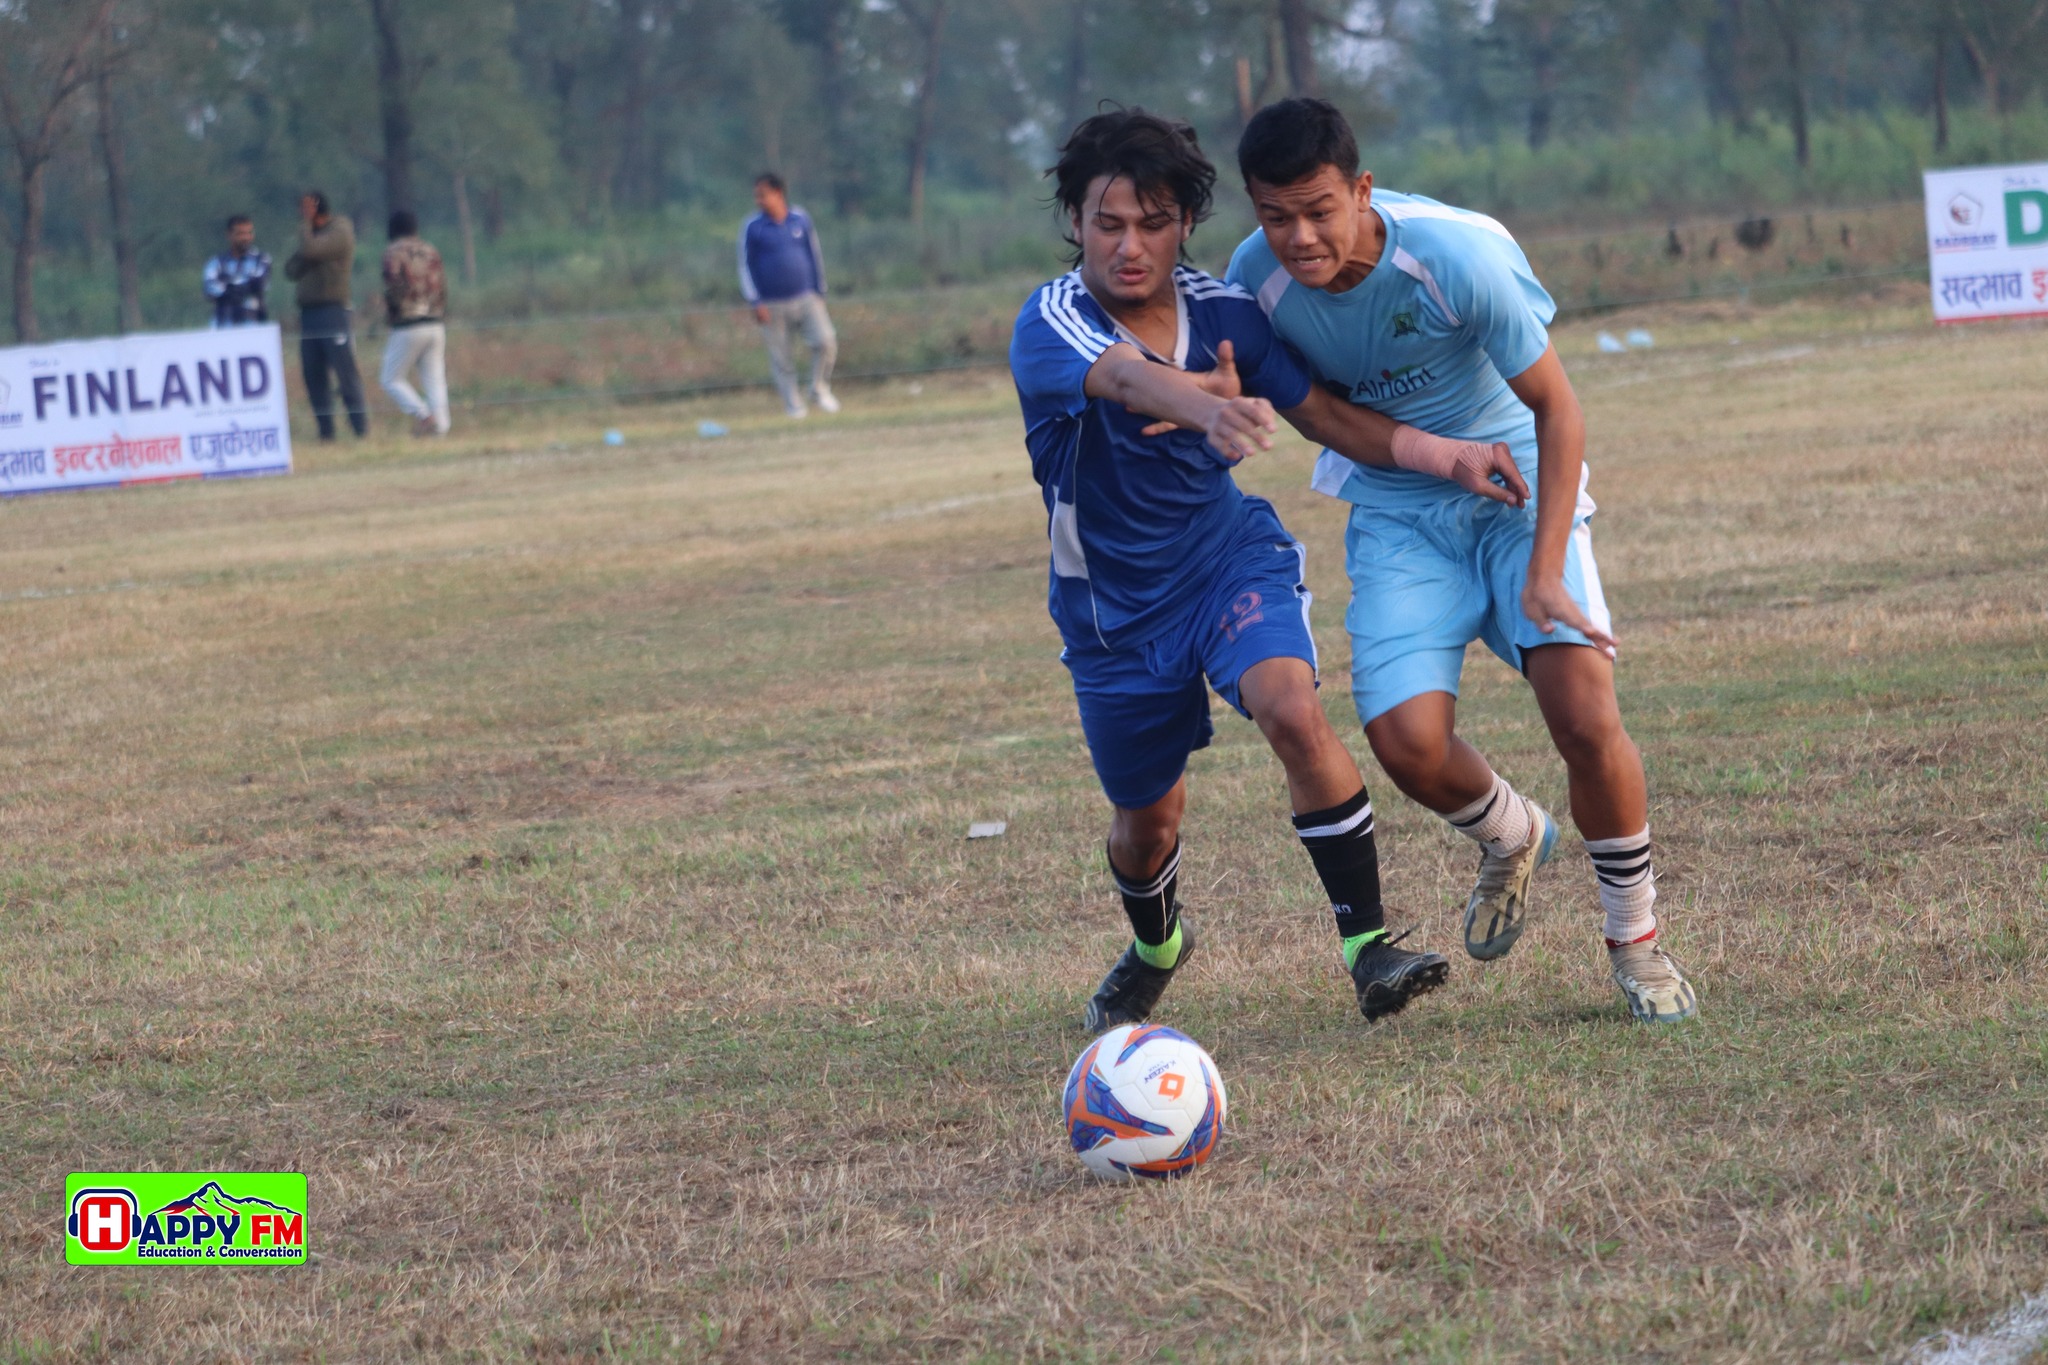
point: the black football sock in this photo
(1153, 909)
(1340, 842)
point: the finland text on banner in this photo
(139, 409)
(1987, 241)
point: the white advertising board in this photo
(142, 409)
(1987, 241)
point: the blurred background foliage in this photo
(585, 156)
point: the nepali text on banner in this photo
(140, 409)
(1987, 241)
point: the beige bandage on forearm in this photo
(1439, 455)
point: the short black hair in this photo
(1290, 141)
(404, 223)
(772, 181)
(319, 198)
(235, 220)
(1161, 157)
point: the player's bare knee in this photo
(1590, 740)
(1296, 728)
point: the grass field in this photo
(556, 852)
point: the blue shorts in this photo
(1427, 581)
(1145, 710)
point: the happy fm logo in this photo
(104, 1220)
(108, 1219)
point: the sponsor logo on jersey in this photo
(1393, 384)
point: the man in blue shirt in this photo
(234, 280)
(1432, 315)
(1164, 575)
(782, 274)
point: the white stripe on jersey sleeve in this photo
(1200, 284)
(1055, 305)
(1275, 286)
(1409, 266)
(1443, 213)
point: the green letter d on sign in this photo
(2017, 204)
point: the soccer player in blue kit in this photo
(1164, 574)
(1432, 315)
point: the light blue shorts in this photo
(1427, 581)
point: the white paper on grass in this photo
(987, 829)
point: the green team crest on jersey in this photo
(1404, 325)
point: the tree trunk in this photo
(1728, 65)
(113, 156)
(1297, 29)
(1941, 81)
(1543, 69)
(1795, 70)
(463, 220)
(394, 105)
(26, 243)
(934, 26)
(1077, 66)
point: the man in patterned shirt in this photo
(415, 302)
(234, 280)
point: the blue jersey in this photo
(1430, 337)
(1136, 521)
(780, 261)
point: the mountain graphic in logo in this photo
(211, 1199)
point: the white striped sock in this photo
(1499, 820)
(1628, 887)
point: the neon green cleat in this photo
(1499, 907)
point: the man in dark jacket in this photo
(321, 266)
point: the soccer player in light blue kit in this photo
(1432, 315)
(1166, 579)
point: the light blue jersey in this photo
(1430, 338)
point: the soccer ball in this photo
(1144, 1100)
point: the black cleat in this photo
(1387, 977)
(1133, 986)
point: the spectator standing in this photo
(235, 279)
(782, 274)
(415, 304)
(321, 266)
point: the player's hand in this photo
(1546, 602)
(1221, 382)
(1241, 427)
(1474, 477)
(761, 313)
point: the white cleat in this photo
(1498, 909)
(826, 400)
(1654, 986)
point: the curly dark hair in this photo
(1161, 157)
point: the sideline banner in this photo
(144, 408)
(1987, 242)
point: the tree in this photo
(1997, 34)
(394, 105)
(114, 160)
(49, 54)
(929, 21)
(1790, 18)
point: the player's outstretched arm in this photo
(1236, 426)
(1372, 438)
